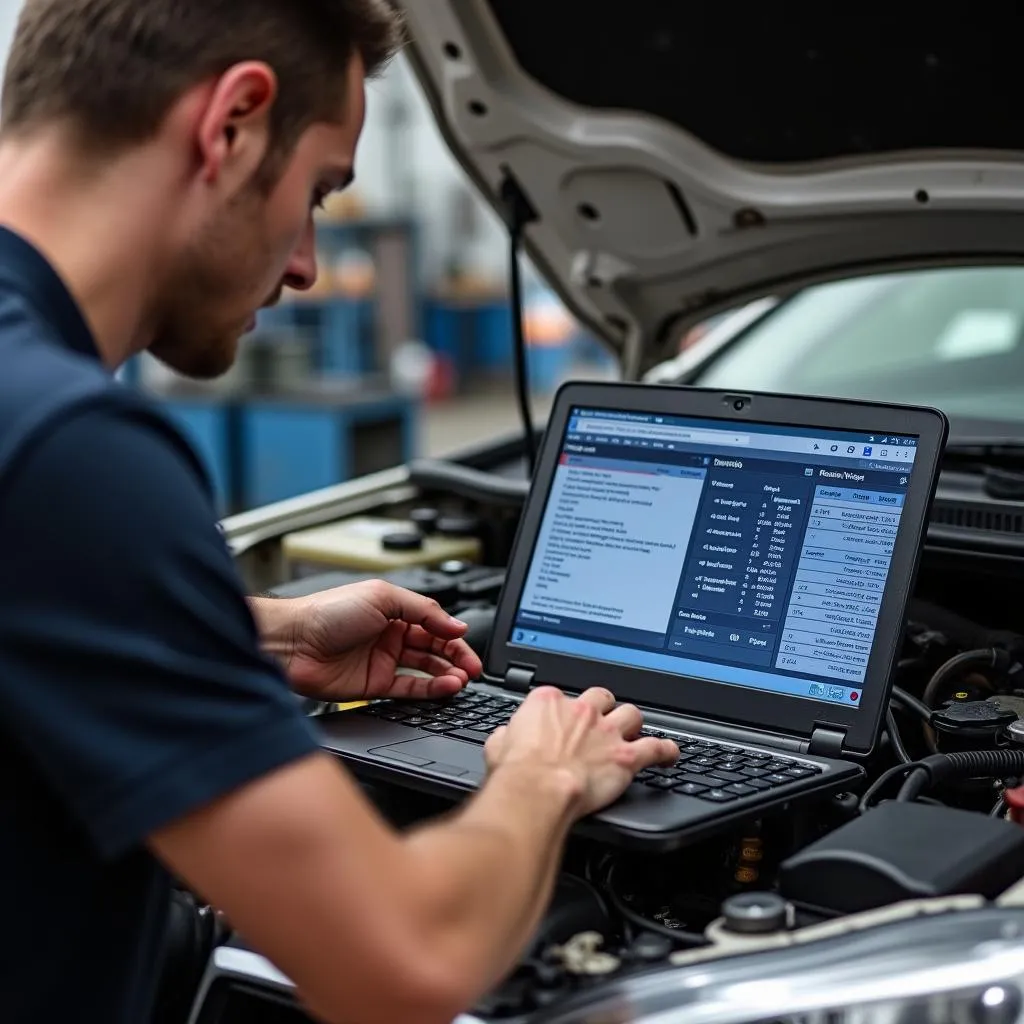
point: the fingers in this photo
(432, 664)
(408, 687)
(599, 698)
(417, 610)
(457, 652)
(650, 751)
(628, 719)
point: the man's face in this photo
(249, 250)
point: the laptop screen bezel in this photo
(737, 706)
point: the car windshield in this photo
(951, 338)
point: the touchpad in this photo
(437, 749)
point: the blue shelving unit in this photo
(211, 425)
(290, 445)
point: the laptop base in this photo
(644, 818)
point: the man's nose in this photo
(301, 272)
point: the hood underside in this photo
(681, 159)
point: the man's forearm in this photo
(492, 867)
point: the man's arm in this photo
(369, 925)
(275, 623)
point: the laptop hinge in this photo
(519, 678)
(827, 741)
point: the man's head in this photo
(254, 106)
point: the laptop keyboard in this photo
(709, 771)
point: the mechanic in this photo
(159, 167)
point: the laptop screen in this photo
(751, 555)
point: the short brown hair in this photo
(112, 69)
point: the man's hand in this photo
(591, 738)
(353, 642)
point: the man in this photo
(159, 165)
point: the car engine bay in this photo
(935, 831)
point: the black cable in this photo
(895, 738)
(913, 786)
(908, 702)
(882, 781)
(999, 809)
(645, 924)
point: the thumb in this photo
(495, 744)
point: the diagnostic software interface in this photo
(755, 555)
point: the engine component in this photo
(425, 519)
(458, 526)
(575, 907)
(355, 545)
(972, 723)
(755, 913)
(650, 948)
(995, 659)
(474, 484)
(1014, 801)
(444, 584)
(964, 764)
(404, 540)
(582, 954)
(903, 851)
(748, 864)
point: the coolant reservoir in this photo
(374, 544)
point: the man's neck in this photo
(98, 229)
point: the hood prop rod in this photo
(518, 211)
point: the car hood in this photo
(681, 159)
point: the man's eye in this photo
(320, 197)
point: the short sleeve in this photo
(131, 668)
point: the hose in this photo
(895, 739)
(914, 785)
(962, 764)
(474, 484)
(636, 920)
(938, 768)
(882, 781)
(908, 702)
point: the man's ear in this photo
(233, 131)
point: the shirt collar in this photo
(24, 268)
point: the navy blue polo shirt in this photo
(132, 687)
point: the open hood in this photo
(684, 158)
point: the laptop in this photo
(738, 565)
